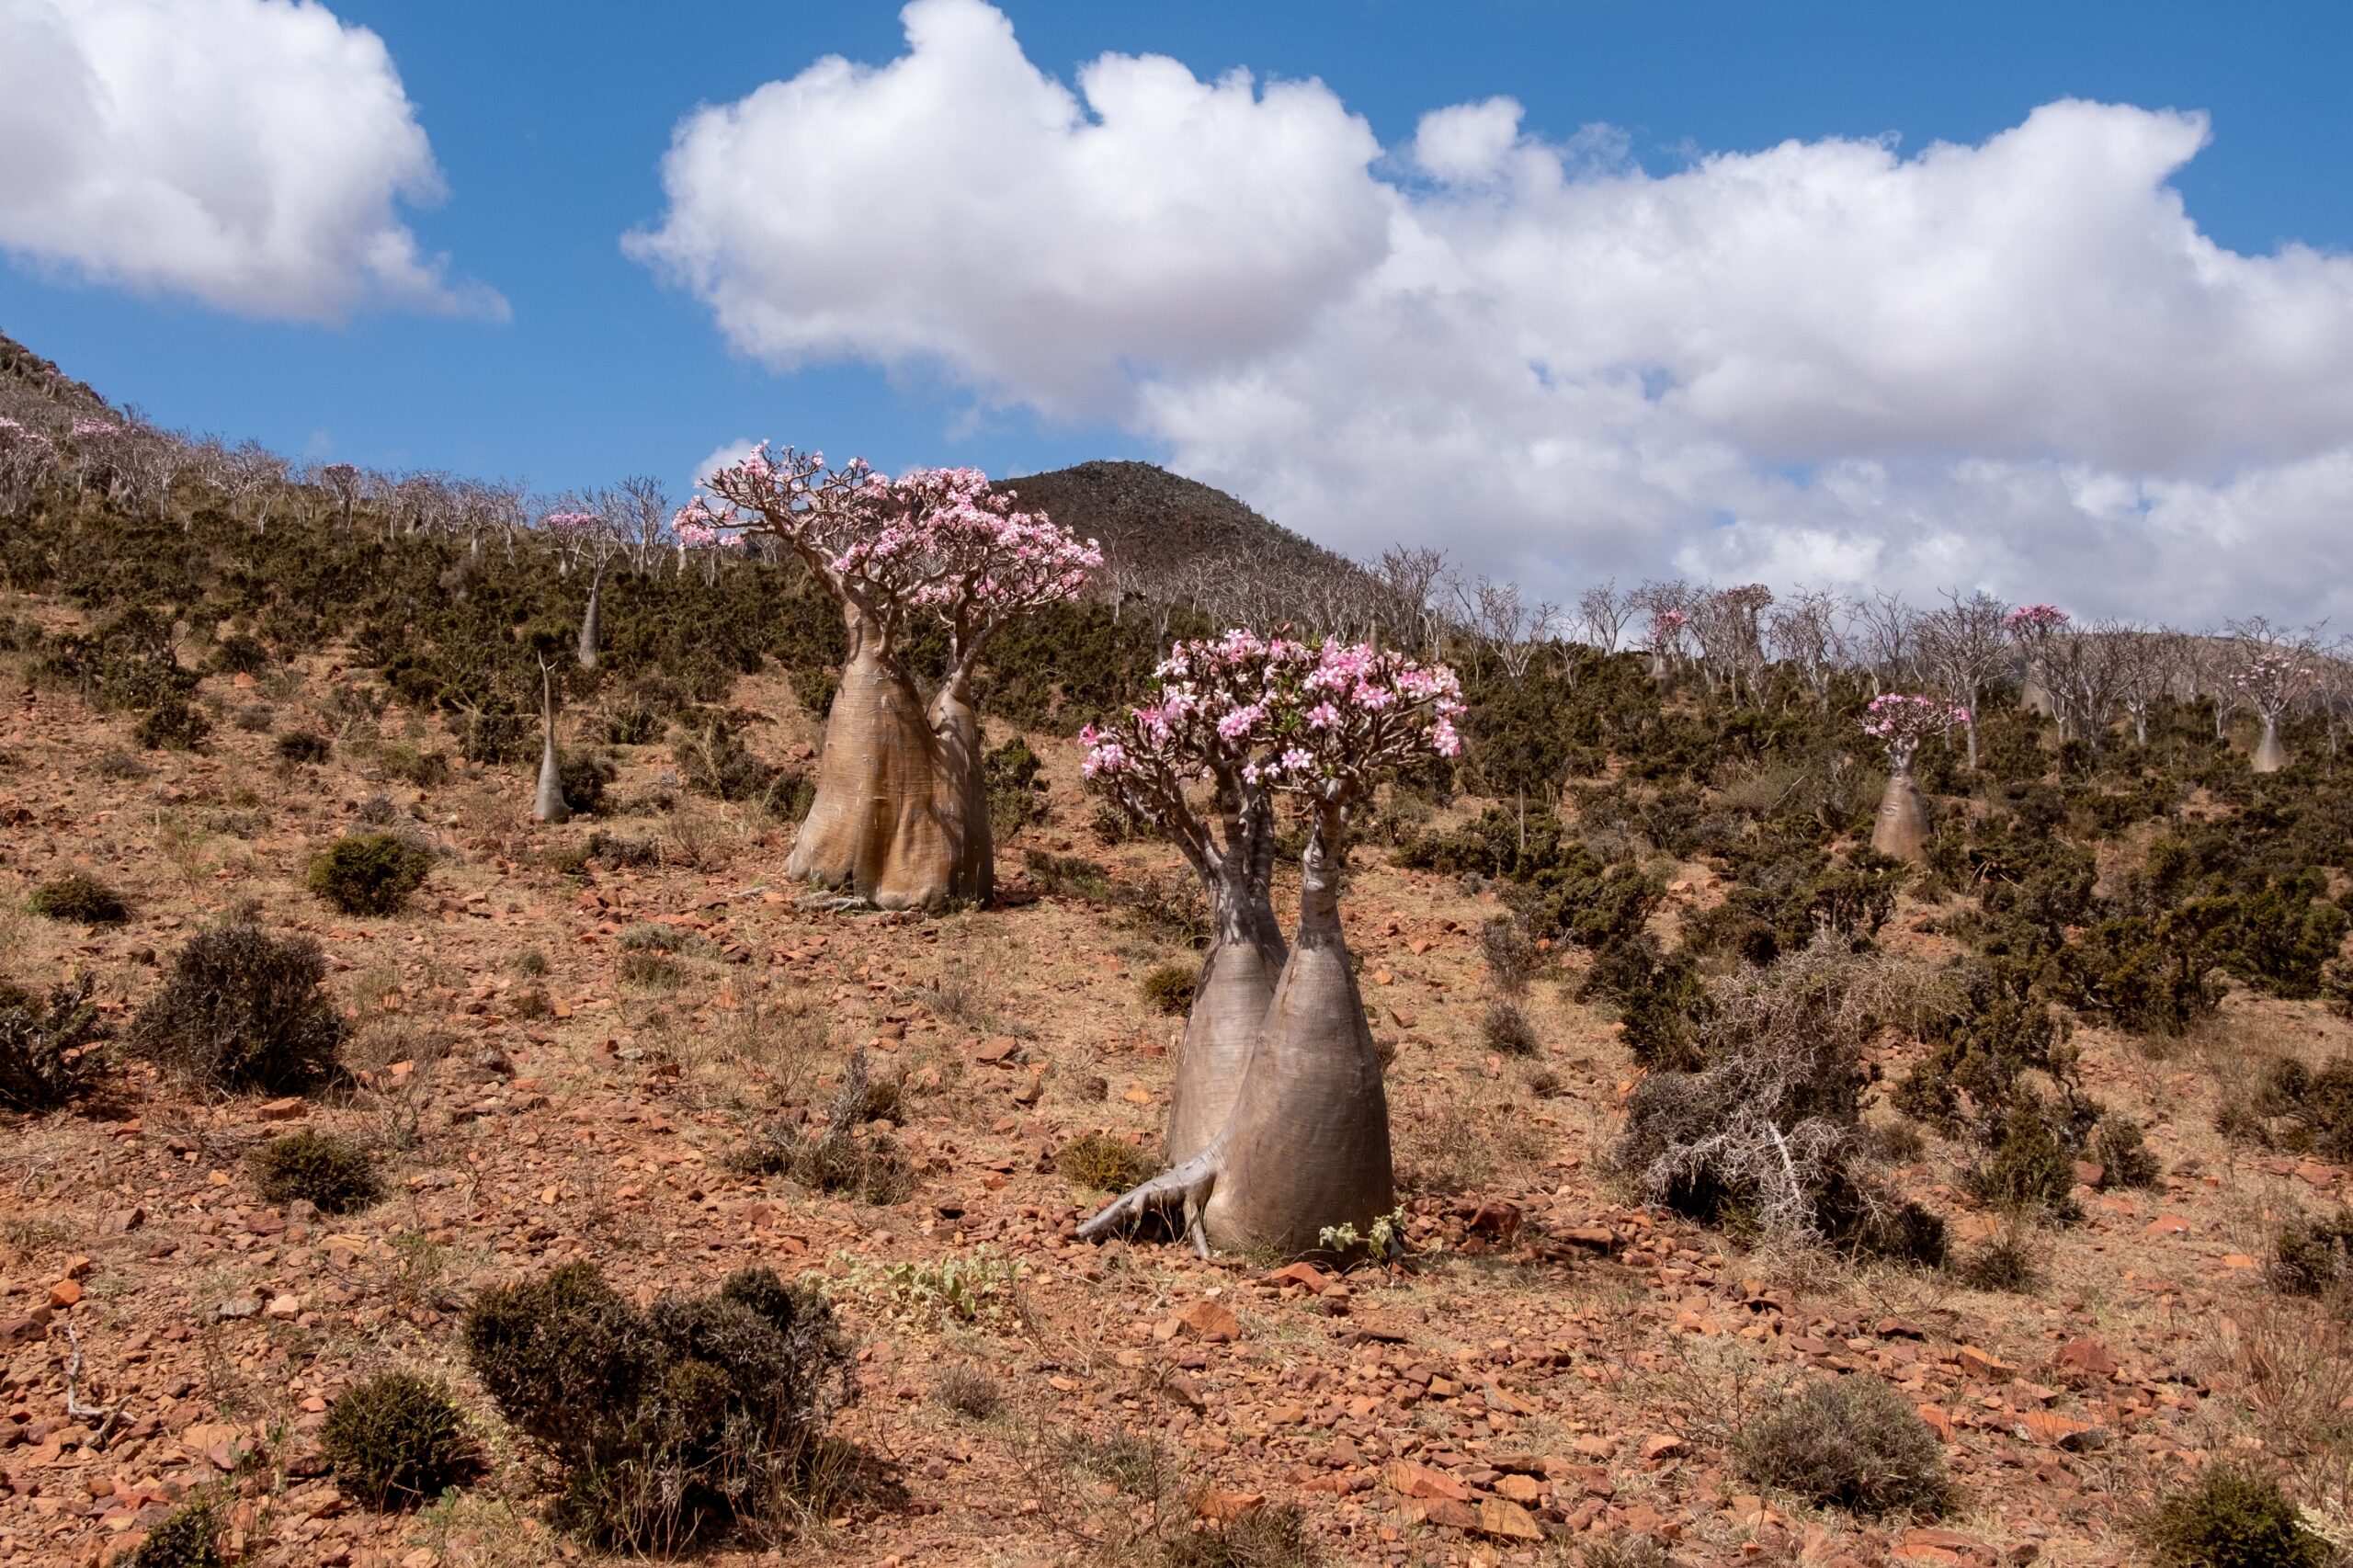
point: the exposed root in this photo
(1188, 1183)
(106, 1416)
(832, 903)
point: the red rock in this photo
(1939, 1420)
(1222, 1505)
(1209, 1319)
(2166, 1225)
(1659, 1446)
(66, 1293)
(1306, 1275)
(291, 1108)
(1496, 1219)
(1984, 1364)
(1525, 1490)
(1488, 1516)
(1410, 1480)
(2088, 1356)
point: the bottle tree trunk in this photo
(549, 804)
(592, 620)
(893, 817)
(1230, 1001)
(2271, 756)
(1900, 829)
(1306, 1145)
(963, 790)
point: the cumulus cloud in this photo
(250, 154)
(2017, 364)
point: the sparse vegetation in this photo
(368, 873)
(242, 1009)
(1168, 987)
(83, 900)
(2232, 1517)
(398, 1438)
(50, 1049)
(843, 1154)
(1852, 1443)
(671, 1423)
(335, 1175)
(1103, 1163)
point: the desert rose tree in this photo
(900, 816)
(1900, 722)
(1305, 1146)
(1189, 763)
(2271, 682)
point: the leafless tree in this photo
(1505, 625)
(1808, 630)
(640, 515)
(2148, 661)
(251, 477)
(1963, 646)
(1407, 581)
(1885, 639)
(1604, 613)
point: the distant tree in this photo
(1901, 722)
(1964, 646)
(900, 816)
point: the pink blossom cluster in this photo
(2029, 620)
(1667, 626)
(570, 524)
(1904, 721)
(2271, 680)
(701, 526)
(1271, 713)
(937, 540)
(87, 430)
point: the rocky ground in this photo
(1556, 1370)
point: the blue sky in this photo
(549, 123)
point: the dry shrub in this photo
(1104, 1162)
(670, 1424)
(2232, 1517)
(1507, 1030)
(2313, 1257)
(369, 873)
(50, 1050)
(190, 1536)
(1273, 1535)
(842, 1154)
(1852, 1443)
(1770, 1130)
(242, 1009)
(398, 1438)
(1512, 954)
(1457, 1146)
(968, 1392)
(335, 1175)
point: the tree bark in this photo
(1237, 985)
(549, 804)
(900, 817)
(1901, 828)
(2271, 756)
(1306, 1144)
(592, 620)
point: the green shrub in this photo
(2005, 1262)
(304, 747)
(2123, 1155)
(2232, 1518)
(335, 1175)
(2028, 1165)
(1009, 777)
(83, 900)
(1168, 987)
(240, 654)
(50, 1052)
(2306, 1111)
(398, 1438)
(586, 778)
(670, 1423)
(190, 1536)
(420, 769)
(1852, 1443)
(1068, 876)
(242, 1009)
(1660, 998)
(1102, 1162)
(814, 686)
(368, 873)
(1514, 954)
(176, 725)
(648, 971)
(2313, 1258)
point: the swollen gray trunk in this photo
(592, 620)
(899, 818)
(2271, 756)
(549, 804)
(1237, 984)
(1900, 829)
(1306, 1145)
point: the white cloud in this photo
(2017, 364)
(249, 153)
